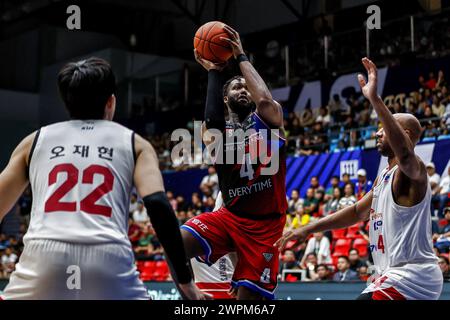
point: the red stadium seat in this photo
(140, 265)
(149, 266)
(290, 244)
(161, 271)
(362, 246)
(162, 266)
(342, 247)
(335, 260)
(146, 276)
(353, 232)
(338, 233)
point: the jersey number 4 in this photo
(87, 205)
(247, 168)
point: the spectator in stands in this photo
(134, 231)
(133, 202)
(8, 261)
(295, 202)
(315, 184)
(431, 83)
(442, 239)
(289, 261)
(293, 220)
(148, 247)
(25, 203)
(319, 195)
(209, 204)
(348, 199)
(333, 203)
(445, 268)
(320, 246)
(210, 182)
(334, 183)
(310, 204)
(434, 178)
(310, 263)
(344, 272)
(4, 242)
(322, 273)
(356, 262)
(296, 128)
(437, 107)
(182, 217)
(305, 147)
(363, 273)
(140, 215)
(443, 191)
(346, 180)
(172, 200)
(197, 204)
(181, 204)
(307, 117)
(323, 117)
(363, 185)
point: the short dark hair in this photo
(85, 87)
(322, 265)
(227, 84)
(335, 177)
(345, 258)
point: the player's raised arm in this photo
(14, 178)
(149, 184)
(401, 143)
(267, 108)
(214, 107)
(340, 219)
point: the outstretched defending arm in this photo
(14, 178)
(400, 142)
(149, 184)
(341, 219)
(267, 108)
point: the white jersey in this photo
(81, 175)
(399, 235)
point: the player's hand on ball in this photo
(208, 65)
(234, 40)
(192, 292)
(368, 89)
(299, 234)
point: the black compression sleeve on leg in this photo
(166, 226)
(214, 110)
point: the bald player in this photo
(397, 208)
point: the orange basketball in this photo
(209, 45)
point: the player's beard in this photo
(241, 109)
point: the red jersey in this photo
(246, 188)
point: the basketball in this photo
(208, 43)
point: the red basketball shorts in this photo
(221, 232)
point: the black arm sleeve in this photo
(214, 110)
(167, 229)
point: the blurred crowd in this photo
(343, 124)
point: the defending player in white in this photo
(81, 173)
(398, 208)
